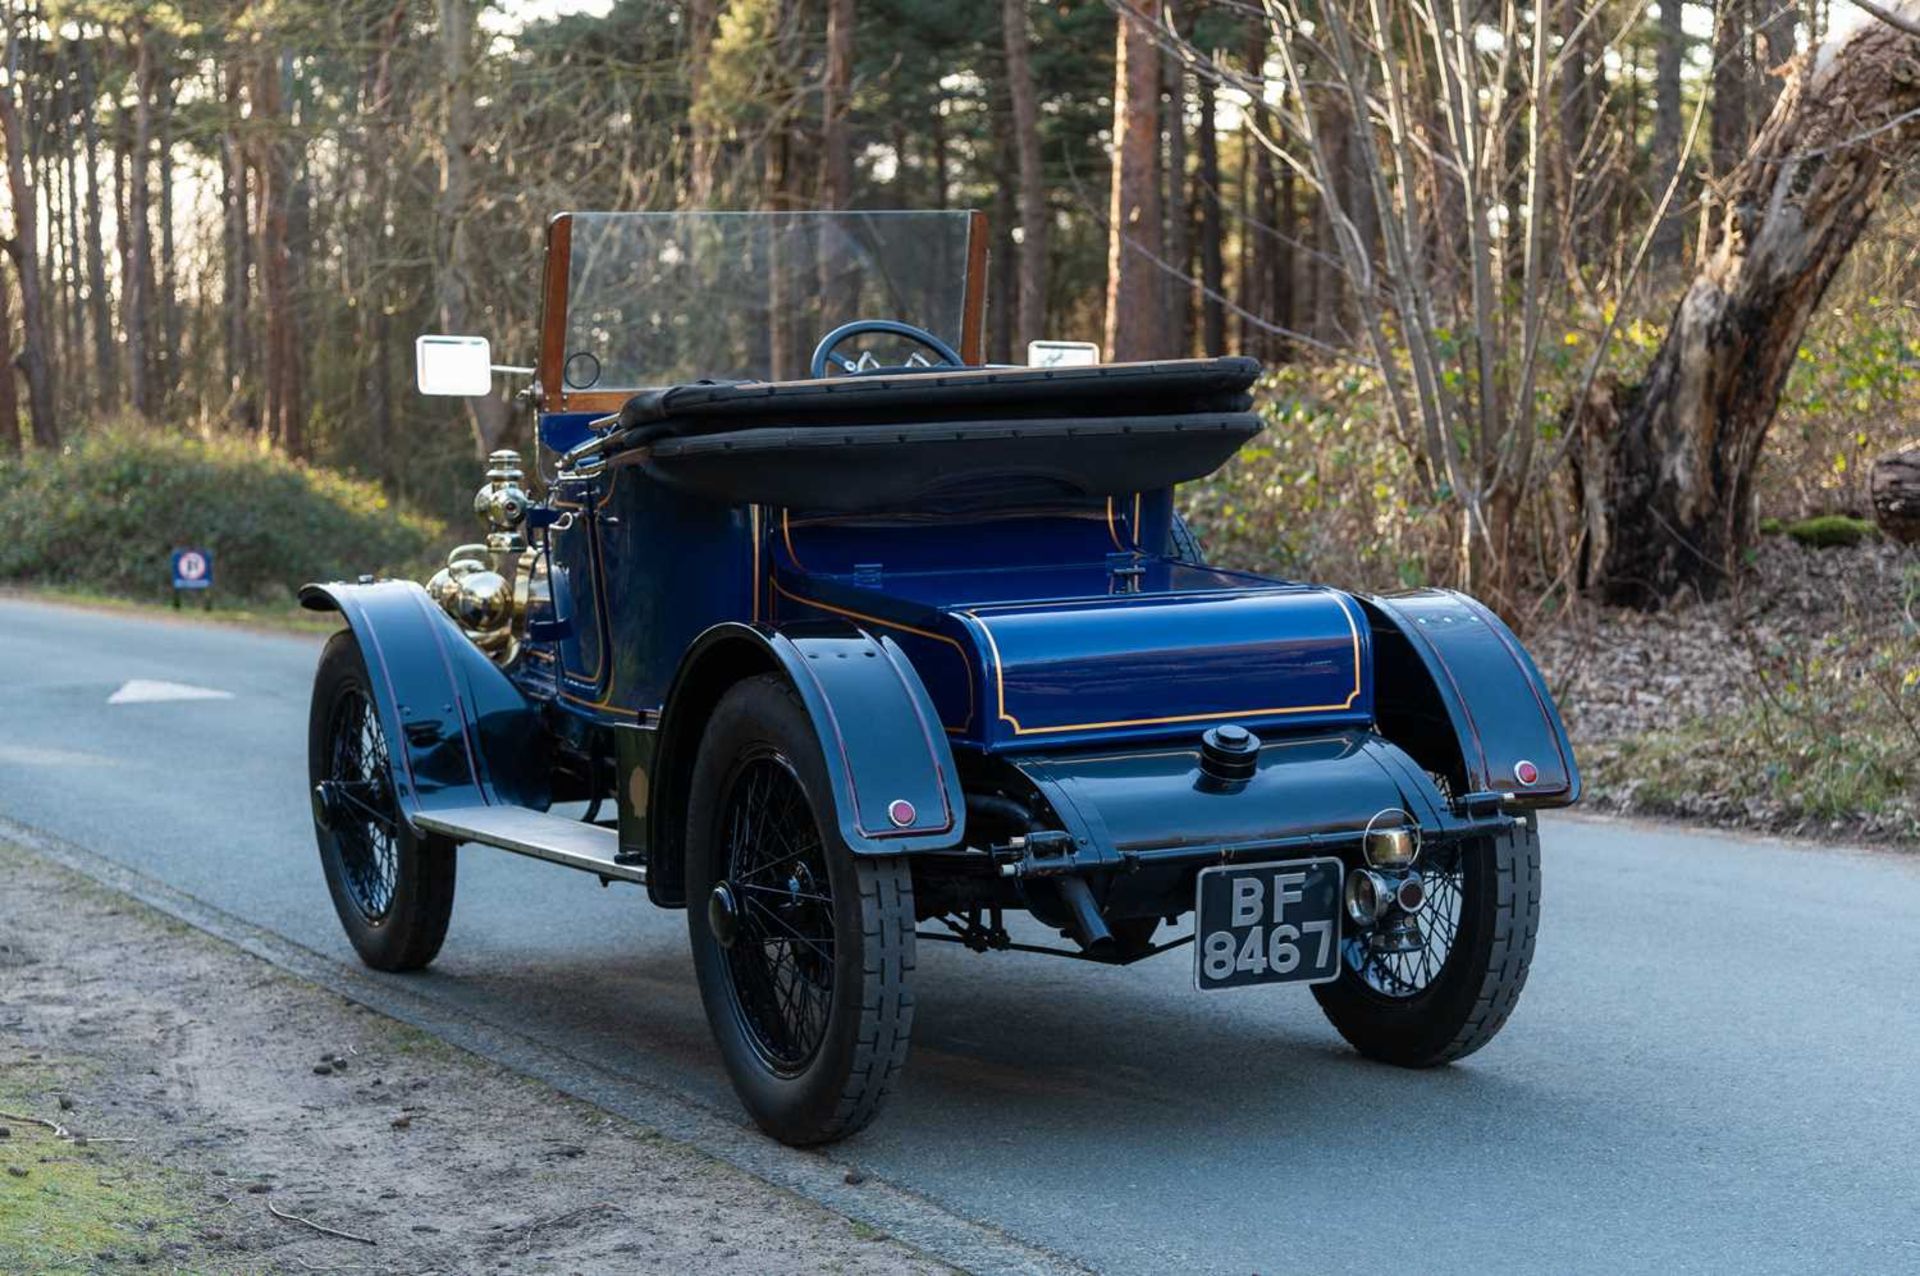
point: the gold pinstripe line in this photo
(894, 625)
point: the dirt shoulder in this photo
(204, 1095)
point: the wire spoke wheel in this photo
(803, 949)
(1408, 967)
(1434, 986)
(392, 887)
(367, 825)
(781, 964)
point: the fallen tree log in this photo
(1894, 485)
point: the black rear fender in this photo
(895, 787)
(1456, 690)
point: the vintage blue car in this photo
(885, 646)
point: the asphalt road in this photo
(1713, 1067)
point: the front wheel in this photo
(1442, 998)
(391, 886)
(804, 951)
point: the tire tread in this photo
(1452, 1023)
(884, 1027)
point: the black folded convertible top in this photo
(977, 436)
(969, 394)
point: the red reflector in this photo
(1526, 772)
(901, 812)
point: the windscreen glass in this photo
(665, 298)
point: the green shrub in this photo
(1828, 530)
(105, 514)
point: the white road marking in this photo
(147, 691)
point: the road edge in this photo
(905, 1215)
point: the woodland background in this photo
(1567, 303)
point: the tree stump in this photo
(1894, 484)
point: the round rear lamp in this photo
(1365, 897)
(1526, 772)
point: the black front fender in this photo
(460, 732)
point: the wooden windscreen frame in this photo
(973, 312)
(553, 394)
(551, 390)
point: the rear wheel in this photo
(392, 887)
(1185, 545)
(804, 951)
(1440, 999)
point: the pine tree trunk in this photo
(167, 355)
(374, 321)
(10, 442)
(1731, 115)
(1329, 283)
(1134, 298)
(1179, 218)
(1003, 283)
(488, 415)
(1667, 237)
(139, 263)
(1668, 464)
(123, 245)
(701, 143)
(837, 190)
(72, 270)
(1032, 322)
(1587, 198)
(937, 152)
(106, 367)
(36, 357)
(1778, 29)
(1283, 307)
(237, 269)
(1213, 273)
(273, 171)
(1246, 279)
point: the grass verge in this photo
(75, 1204)
(289, 619)
(1824, 741)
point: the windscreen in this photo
(659, 299)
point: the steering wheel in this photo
(823, 354)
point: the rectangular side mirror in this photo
(461, 366)
(1062, 354)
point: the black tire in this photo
(1184, 544)
(392, 887)
(803, 1084)
(1467, 1001)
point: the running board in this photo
(553, 838)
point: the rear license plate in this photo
(1267, 924)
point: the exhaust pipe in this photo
(1089, 928)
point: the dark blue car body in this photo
(1013, 691)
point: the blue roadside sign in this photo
(193, 569)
